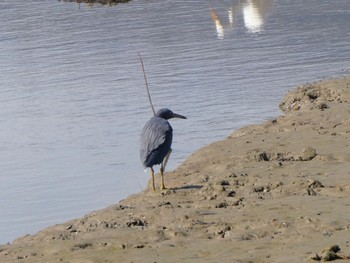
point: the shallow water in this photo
(73, 101)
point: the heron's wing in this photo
(153, 134)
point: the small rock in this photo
(164, 203)
(264, 157)
(313, 94)
(322, 105)
(139, 246)
(224, 182)
(308, 153)
(335, 248)
(122, 207)
(232, 175)
(311, 192)
(205, 178)
(315, 184)
(327, 233)
(168, 192)
(227, 234)
(122, 246)
(222, 205)
(231, 193)
(258, 189)
(247, 236)
(329, 255)
(237, 202)
(81, 246)
(136, 222)
(316, 257)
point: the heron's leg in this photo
(152, 174)
(162, 187)
(166, 158)
(162, 169)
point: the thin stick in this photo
(144, 76)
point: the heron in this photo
(155, 142)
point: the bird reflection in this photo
(253, 12)
(218, 24)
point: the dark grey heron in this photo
(155, 142)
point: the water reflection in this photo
(254, 13)
(218, 24)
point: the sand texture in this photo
(272, 192)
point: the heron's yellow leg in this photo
(152, 174)
(162, 186)
(162, 169)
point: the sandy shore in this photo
(273, 192)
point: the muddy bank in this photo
(273, 192)
(101, 2)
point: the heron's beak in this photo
(179, 116)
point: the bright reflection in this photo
(253, 19)
(218, 25)
(254, 13)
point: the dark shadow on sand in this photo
(186, 187)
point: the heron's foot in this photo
(163, 187)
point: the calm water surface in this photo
(73, 102)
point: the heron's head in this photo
(168, 114)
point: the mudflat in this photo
(272, 192)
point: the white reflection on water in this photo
(253, 19)
(254, 14)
